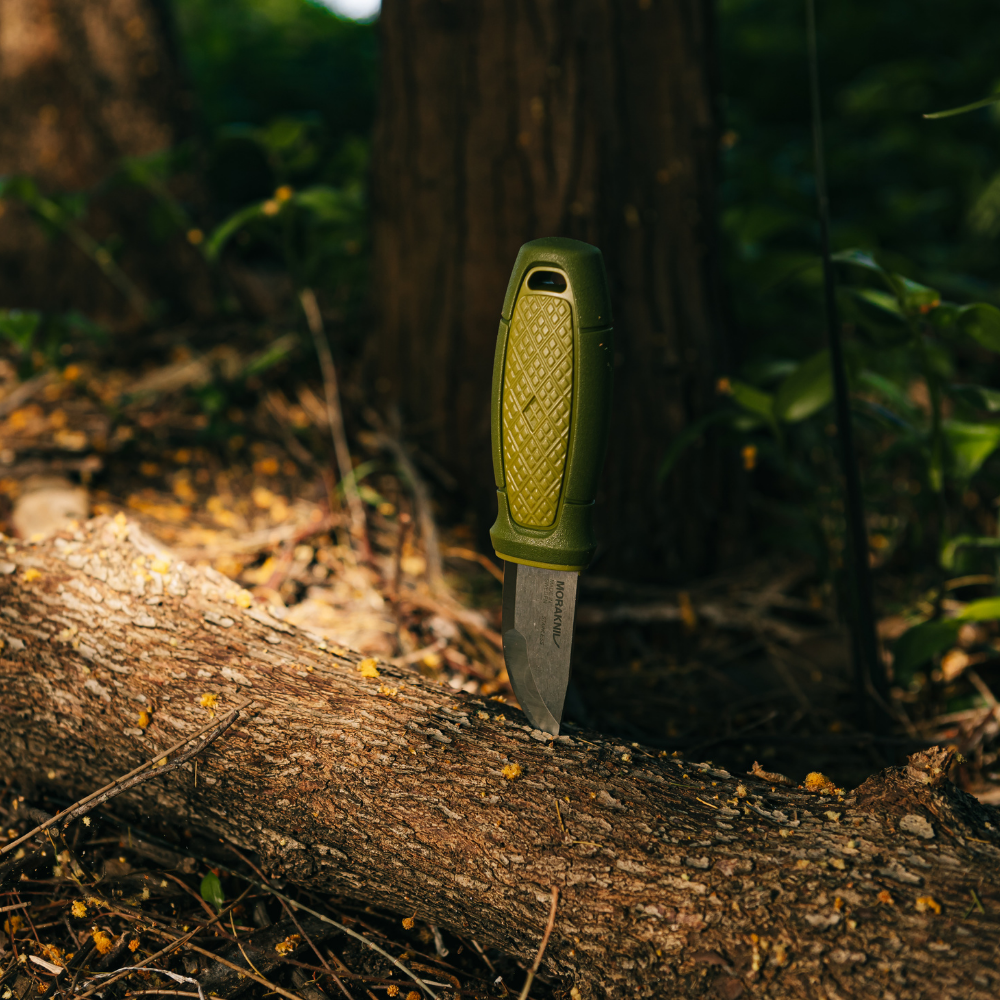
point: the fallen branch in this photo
(369, 781)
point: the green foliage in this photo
(19, 327)
(970, 445)
(988, 609)
(921, 644)
(62, 214)
(211, 891)
(256, 60)
(930, 333)
(981, 321)
(964, 109)
(951, 550)
(317, 232)
(915, 417)
(805, 391)
(32, 334)
(288, 72)
(896, 179)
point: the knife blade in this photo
(551, 406)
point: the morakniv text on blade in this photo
(551, 406)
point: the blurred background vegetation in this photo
(918, 193)
(291, 71)
(283, 102)
(286, 95)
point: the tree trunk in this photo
(83, 85)
(501, 122)
(676, 879)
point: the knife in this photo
(551, 405)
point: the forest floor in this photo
(751, 666)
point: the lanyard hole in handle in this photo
(546, 281)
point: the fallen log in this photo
(675, 879)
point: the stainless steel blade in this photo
(538, 610)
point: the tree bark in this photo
(85, 84)
(676, 879)
(501, 122)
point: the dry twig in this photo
(471, 555)
(333, 975)
(541, 948)
(421, 505)
(334, 923)
(24, 392)
(133, 777)
(335, 418)
(173, 946)
(236, 968)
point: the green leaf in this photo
(981, 611)
(18, 327)
(860, 258)
(211, 890)
(914, 296)
(981, 322)
(946, 317)
(911, 295)
(226, 230)
(326, 203)
(877, 313)
(922, 643)
(970, 444)
(808, 389)
(949, 554)
(985, 212)
(745, 423)
(885, 301)
(22, 188)
(978, 396)
(275, 352)
(760, 404)
(765, 371)
(282, 134)
(965, 108)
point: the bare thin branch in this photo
(267, 887)
(173, 946)
(263, 980)
(120, 784)
(541, 948)
(333, 975)
(421, 505)
(335, 418)
(165, 769)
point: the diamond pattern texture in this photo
(537, 391)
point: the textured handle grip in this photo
(551, 404)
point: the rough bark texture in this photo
(677, 879)
(505, 121)
(84, 84)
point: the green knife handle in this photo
(551, 404)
